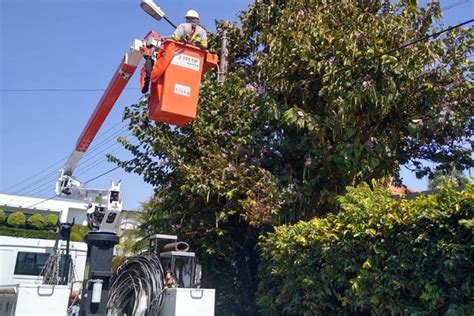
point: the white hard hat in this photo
(192, 14)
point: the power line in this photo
(47, 184)
(34, 175)
(38, 187)
(449, 29)
(90, 180)
(453, 5)
(414, 42)
(31, 206)
(40, 176)
(92, 165)
(62, 90)
(102, 174)
(427, 37)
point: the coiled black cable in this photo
(137, 287)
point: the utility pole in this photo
(223, 64)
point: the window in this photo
(30, 263)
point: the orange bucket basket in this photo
(174, 95)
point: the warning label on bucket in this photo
(182, 90)
(186, 61)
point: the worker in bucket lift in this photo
(191, 32)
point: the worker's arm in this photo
(179, 33)
(200, 37)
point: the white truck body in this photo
(21, 290)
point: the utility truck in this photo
(173, 99)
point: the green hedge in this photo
(36, 221)
(376, 256)
(27, 233)
(2, 216)
(51, 222)
(79, 232)
(16, 219)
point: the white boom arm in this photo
(104, 206)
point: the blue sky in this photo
(57, 44)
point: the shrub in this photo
(27, 233)
(2, 216)
(79, 232)
(51, 222)
(16, 219)
(37, 221)
(376, 256)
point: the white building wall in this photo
(63, 208)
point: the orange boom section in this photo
(175, 82)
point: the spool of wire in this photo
(137, 287)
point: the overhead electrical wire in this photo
(406, 45)
(414, 42)
(83, 169)
(40, 202)
(87, 165)
(36, 174)
(101, 175)
(453, 5)
(60, 90)
(88, 181)
(55, 167)
(52, 176)
(47, 184)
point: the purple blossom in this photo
(254, 160)
(332, 60)
(261, 90)
(250, 87)
(367, 84)
(308, 162)
(300, 113)
(301, 13)
(369, 144)
(177, 226)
